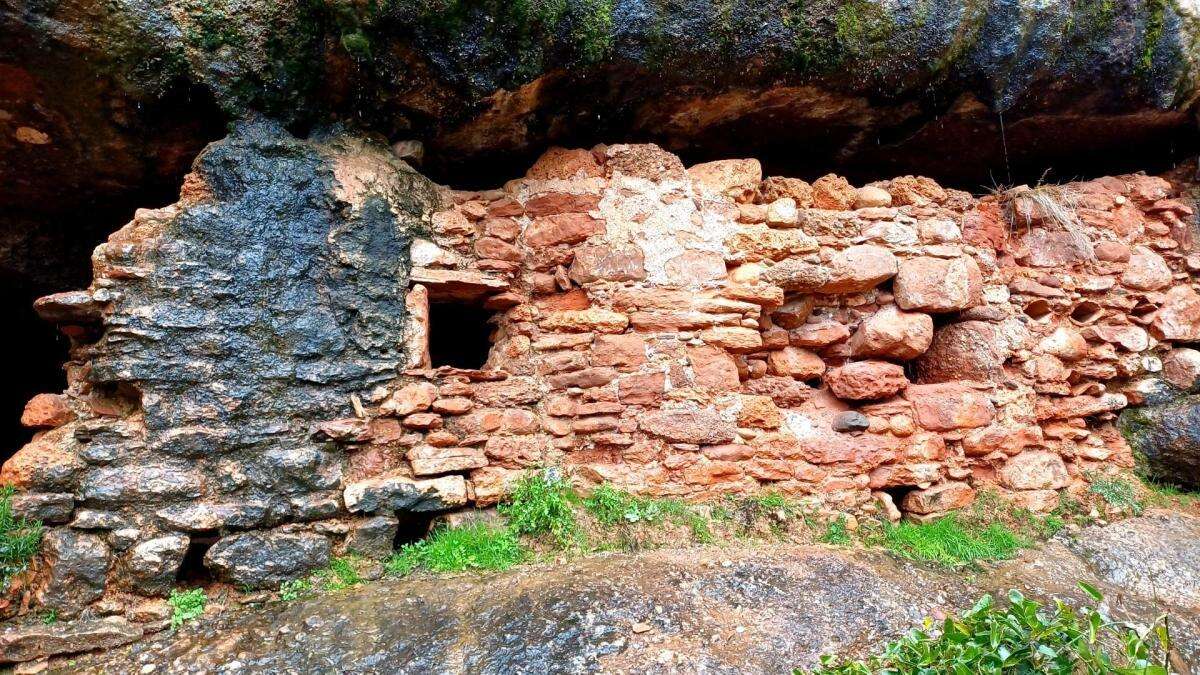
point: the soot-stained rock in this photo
(1166, 438)
(266, 559)
(78, 563)
(152, 564)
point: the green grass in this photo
(186, 605)
(1166, 495)
(477, 546)
(541, 504)
(20, 539)
(341, 573)
(612, 507)
(836, 532)
(1022, 637)
(1117, 492)
(951, 541)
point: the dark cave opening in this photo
(192, 570)
(459, 335)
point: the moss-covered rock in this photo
(1166, 439)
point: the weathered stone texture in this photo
(256, 373)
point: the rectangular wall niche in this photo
(459, 335)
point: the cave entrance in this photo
(192, 570)
(459, 335)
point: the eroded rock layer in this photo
(274, 369)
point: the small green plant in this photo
(50, 617)
(1117, 492)
(539, 504)
(1024, 637)
(476, 546)
(186, 605)
(295, 589)
(951, 541)
(341, 573)
(20, 539)
(836, 532)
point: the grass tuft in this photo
(20, 539)
(341, 573)
(1117, 492)
(836, 532)
(952, 542)
(477, 546)
(541, 504)
(186, 605)
(295, 589)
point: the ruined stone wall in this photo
(251, 379)
(703, 332)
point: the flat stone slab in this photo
(39, 641)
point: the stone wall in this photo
(251, 378)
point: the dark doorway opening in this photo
(459, 335)
(192, 570)
(413, 527)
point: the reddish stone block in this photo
(47, 410)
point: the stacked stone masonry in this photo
(686, 332)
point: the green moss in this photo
(829, 34)
(357, 45)
(1154, 26)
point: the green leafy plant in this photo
(1116, 491)
(476, 546)
(1023, 637)
(341, 573)
(836, 532)
(186, 605)
(951, 541)
(50, 617)
(295, 589)
(539, 504)
(20, 539)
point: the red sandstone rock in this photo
(1066, 343)
(1179, 317)
(713, 369)
(565, 228)
(46, 410)
(938, 285)
(737, 178)
(759, 412)
(491, 247)
(1181, 367)
(858, 269)
(733, 339)
(621, 351)
(949, 406)
(818, 335)
(702, 427)
(1146, 271)
(1112, 251)
(563, 163)
(645, 389)
(968, 350)
(893, 334)
(586, 320)
(1034, 470)
(409, 399)
(939, 498)
(833, 192)
(778, 187)
(427, 460)
(606, 263)
(553, 203)
(866, 380)
(915, 191)
(797, 363)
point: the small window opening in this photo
(459, 335)
(192, 570)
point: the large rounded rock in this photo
(266, 559)
(1166, 439)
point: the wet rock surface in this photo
(707, 611)
(1166, 437)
